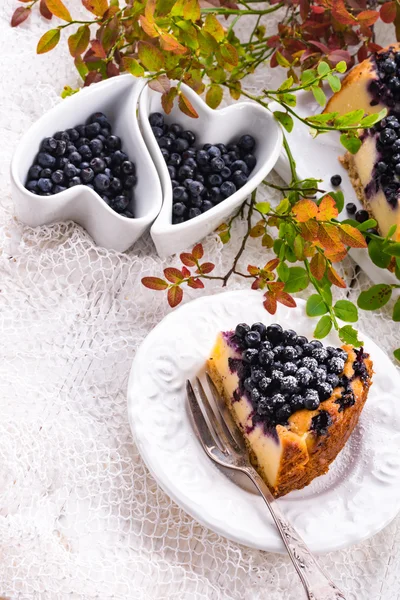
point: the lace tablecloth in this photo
(80, 516)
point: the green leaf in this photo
(376, 297)
(368, 224)
(350, 142)
(339, 200)
(48, 41)
(284, 119)
(150, 56)
(289, 99)
(319, 95)
(370, 120)
(349, 335)
(263, 207)
(214, 95)
(213, 27)
(396, 311)
(323, 118)
(323, 327)
(326, 291)
(396, 354)
(79, 41)
(346, 310)
(377, 256)
(282, 207)
(307, 76)
(315, 306)
(132, 66)
(298, 247)
(281, 60)
(351, 118)
(297, 280)
(191, 10)
(392, 249)
(391, 231)
(323, 68)
(283, 271)
(286, 84)
(278, 244)
(334, 82)
(341, 67)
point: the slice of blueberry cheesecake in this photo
(296, 402)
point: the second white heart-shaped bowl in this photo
(118, 99)
(212, 126)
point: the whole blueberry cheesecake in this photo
(295, 401)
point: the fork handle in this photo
(317, 584)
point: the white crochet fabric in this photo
(80, 516)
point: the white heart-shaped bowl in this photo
(212, 126)
(118, 99)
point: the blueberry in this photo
(324, 391)
(74, 181)
(129, 214)
(316, 344)
(301, 340)
(206, 205)
(227, 159)
(276, 376)
(156, 120)
(320, 354)
(318, 376)
(290, 337)
(250, 355)
(296, 402)
(215, 179)
(274, 332)
(34, 172)
(171, 171)
(101, 182)
(158, 132)
(380, 168)
(389, 66)
(196, 188)
(128, 168)
(174, 183)
(278, 350)
(120, 203)
(289, 353)
(189, 136)
(264, 384)
(387, 136)
(335, 365)
(217, 163)
(239, 178)
(309, 363)
(351, 208)
(97, 164)
(255, 394)
(362, 216)
(57, 177)
(227, 189)
(176, 128)
(225, 172)
(202, 157)
(179, 209)
(81, 129)
(93, 130)
(83, 165)
(130, 182)
(189, 153)
(196, 201)
(61, 162)
(199, 177)
(289, 368)
(247, 143)
(214, 152)
(61, 148)
(241, 330)
(165, 142)
(248, 384)
(73, 135)
(250, 161)
(58, 188)
(257, 374)
(307, 349)
(277, 401)
(70, 170)
(87, 175)
(264, 408)
(165, 154)
(260, 328)
(252, 339)
(303, 376)
(45, 160)
(115, 186)
(194, 212)
(215, 195)
(49, 144)
(233, 156)
(179, 193)
(283, 413)
(239, 165)
(175, 159)
(336, 180)
(75, 158)
(289, 384)
(46, 173)
(223, 149)
(176, 220)
(311, 400)
(32, 185)
(99, 117)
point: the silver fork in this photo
(224, 444)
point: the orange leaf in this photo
(154, 283)
(327, 209)
(148, 26)
(336, 256)
(57, 8)
(309, 230)
(351, 236)
(175, 295)
(149, 9)
(185, 272)
(388, 12)
(253, 270)
(335, 278)
(341, 14)
(97, 7)
(206, 267)
(186, 106)
(272, 264)
(329, 237)
(187, 259)
(286, 299)
(173, 275)
(170, 44)
(368, 17)
(276, 286)
(270, 303)
(318, 266)
(167, 99)
(195, 283)
(198, 252)
(305, 210)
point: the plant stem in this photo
(232, 270)
(237, 11)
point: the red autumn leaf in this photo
(175, 295)
(206, 267)
(318, 266)
(351, 236)
(188, 259)
(154, 283)
(286, 299)
(44, 11)
(112, 70)
(256, 284)
(95, 52)
(162, 84)
(186, 106)
(92, 77)
(305, 210)
(185, 272)
(173, 275)
(309, 230)
(195, 283)
(270, 303)
(328, 236)
(19, 16)
(253, 270)
(327, 209)
(318, 10)
(276, 286)
(272, 264)
(368, 17)
(335, 278)
(304, 9)
(167, 100)
(320, 46)
(198, 252)
(388, 12)
(339, 55)
(362, 53)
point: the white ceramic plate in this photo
(319, 157)
(356, 499)
(212, 126)
(117, 98)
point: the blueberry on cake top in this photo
(295, 401)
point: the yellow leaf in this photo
(305, 210)
(351, 236)
(327, 209)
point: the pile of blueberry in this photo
(85, 155)
(284, 372)
(387, 87)
(201, 177)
